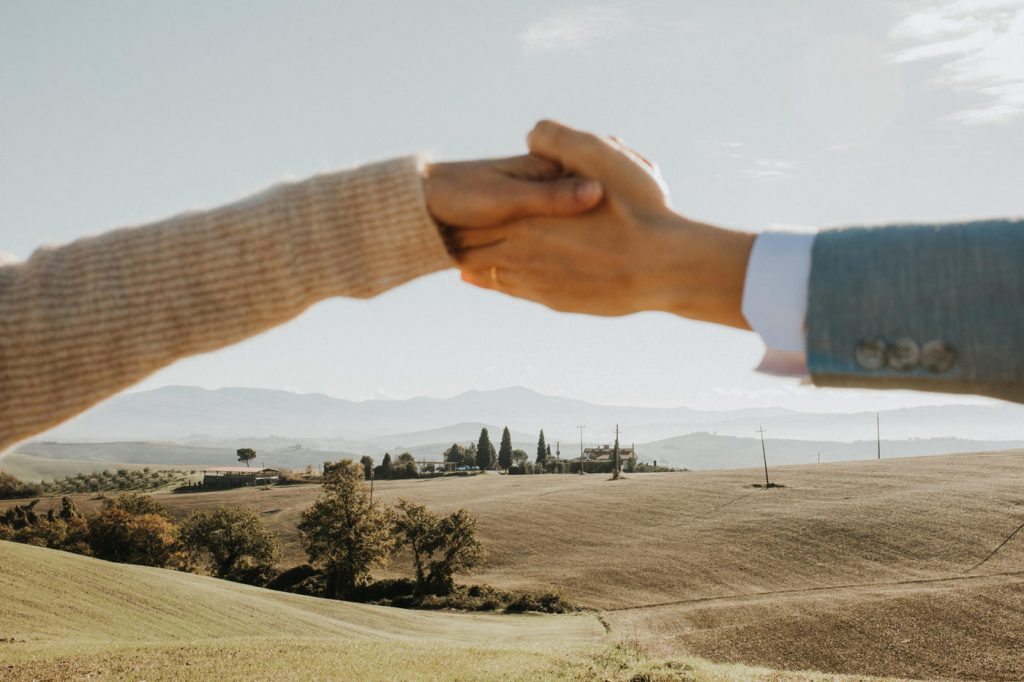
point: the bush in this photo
(292, 579)
(12, 488)
(547, 602)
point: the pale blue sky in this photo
(759, 112)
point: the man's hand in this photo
(473, 194)
(630, 254)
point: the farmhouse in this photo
(236, 477)
(604, 454)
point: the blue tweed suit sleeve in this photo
(927, 307)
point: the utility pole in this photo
(764, 456)
(581, 448)
(558, 450)
(878, 436)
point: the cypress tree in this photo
(615, 457)
(386, 467)
(484, 451)
(542, 449)
(505, 450)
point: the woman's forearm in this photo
(81, 322)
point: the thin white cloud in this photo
(980, 44)
(734, 161)
(571, 29)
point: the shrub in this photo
(547, 602)
(11, 487)
(293, 579)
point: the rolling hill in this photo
(64, 617)
(871, 567)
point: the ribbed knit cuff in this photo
(397, 236)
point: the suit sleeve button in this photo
(937, 356)
(903, 354)
(870, 354)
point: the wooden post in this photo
(581, 448)
(764, 457)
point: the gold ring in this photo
(494, 275)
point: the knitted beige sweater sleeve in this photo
(81, 322)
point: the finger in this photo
(633, 152)
(477, 237)
(483, 258)
(506, 281)
(575, 150)
(530, 167)
(563, 197)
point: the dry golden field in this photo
(68, 617)
(860, 568)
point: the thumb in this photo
(562, 197)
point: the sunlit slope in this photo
(54, 595)
(874, 567)
(68, 617)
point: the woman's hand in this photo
(472, 194)
(632, 253)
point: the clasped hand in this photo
(584, 224)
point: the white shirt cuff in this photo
(775, 298)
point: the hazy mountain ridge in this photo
(187, 414)
(192, 426)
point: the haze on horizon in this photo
(118, 113)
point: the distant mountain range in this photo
(190, 414)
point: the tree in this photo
(519, 457)
(461, 455)
(505, 450)
(136, 504)
(417, 527)
(143, 539)
(457, 549)
(246, 455)
(344, 532)
(386, 467)
(440, 546)
(367, 462)
(542, 449)
(484, 451)
(235, 542)
(406, 466)
(616, 464)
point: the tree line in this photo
(345, 533)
